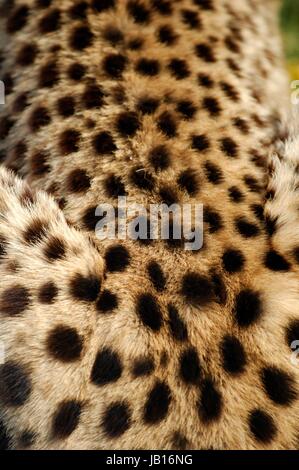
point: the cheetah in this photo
(141, 344)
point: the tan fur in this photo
(259, 79)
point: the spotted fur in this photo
(132, 345)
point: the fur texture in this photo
(126, 345)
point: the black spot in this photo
(235, 194)
(231, 44)
(292, 332)
(119, 94)
(114, 65)
(69, 141)
(15, 384)
(147, 105)
(166, 35)
(186, 108)
(233, 66)
(14, 300)
(55, 249)
(214, 220)
(64, 343)
(27, 55)
(205, 80)
(138, 11)
(177, 326)
(242, 125)
(107, 367)
(66, 106)
(156, 276)
(252, 183)
(258, 211)
(157, 404)
(6, 125)
(271, 224)
(48, 75)
(135, 44)
(116, 419)
(210, 405)
(3, 247)
(279, 386)
(76, 71)
(17, 19)
(103, 143)
(296, 254)
(167, 124)
(39, 163)
(78, 181)
(162, 6)
(191, 18)
(230, 91)
(8, 82)
(89, 218)
(233, 355)
(190, 368)
(43, 3)
(26, 438)
(47, 293)
(148, 310)
(85, 288)
(212, 106)
(276, 262)
(107, 301)
(142, 179)
(114, 186)
(213, 172)
(179, 68)
(81, 38)
(229, 147)
(159, 157)
(248, 307)
(164, 359)
(204, 4)
(245, 228)
(92, 97)
(50, 22)
(4, 437)
(262, 426)
(233, 260)
(188, 181)
(113, 35)
(143, 366)
(168, 195)
(148, 67)
(197, 289)
(200, 142)
(66, 419)
(179, 441)
(205, 52)
(102, 5)
(20, 103)
(36, 231)
(127, 124)
(78, 11)
(117, 258)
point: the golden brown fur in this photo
(192, 352)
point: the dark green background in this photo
(290, 26)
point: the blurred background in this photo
(290, 28)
